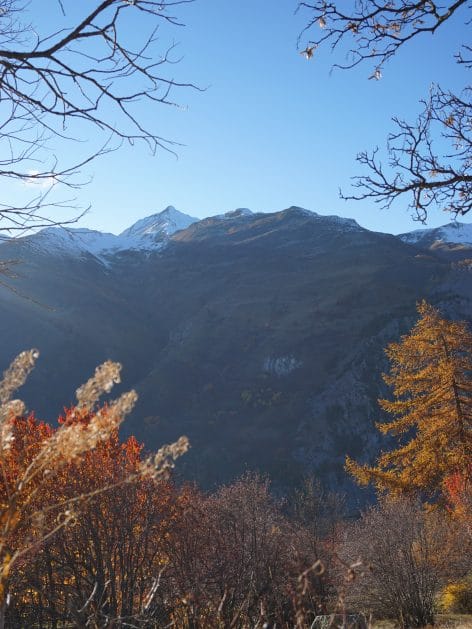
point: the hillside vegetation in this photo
(100, 535)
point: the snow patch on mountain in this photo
(70, 241)
(347, 224)
(455, 233)
(238, 213)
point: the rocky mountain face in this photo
(260, 336)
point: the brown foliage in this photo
(403, 554)
(235, 561)
(103, 566)
(148, 555)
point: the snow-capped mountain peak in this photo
(147, 234)
(163, 223)
(72, 240)
(454, 233)
(154, 232)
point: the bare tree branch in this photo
(84, 80)
(374, 30)
(428, 161)
(430, 177)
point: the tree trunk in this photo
(3, 606)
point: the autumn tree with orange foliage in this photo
(106, 566)
(34, 458)
(431, 377)
(459, 497)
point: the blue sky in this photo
(271, 129)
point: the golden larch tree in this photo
(431, 378)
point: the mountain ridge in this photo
(260, 336)
(147, 234)
(153, 232)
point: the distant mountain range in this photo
(260, 336)
(148, 234)
(153, 232)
